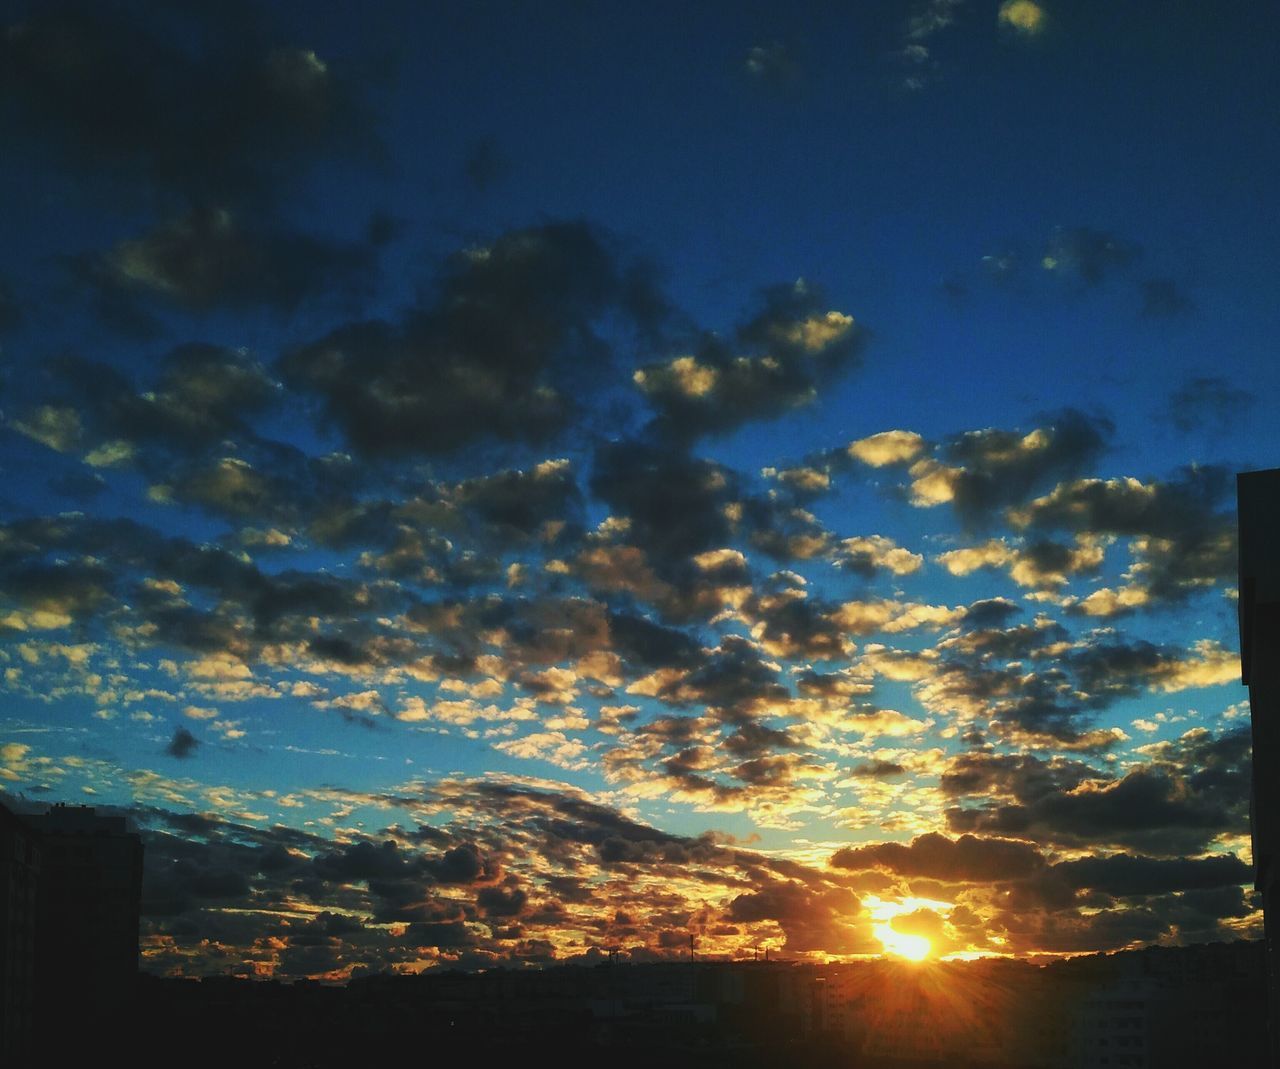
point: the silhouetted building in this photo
(1259, 519)
(1114, 1025)
(87, 919)
(19, 873)
(1159, 1008)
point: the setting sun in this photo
(913, 947)
(910, 945)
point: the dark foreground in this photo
(1161, 1007)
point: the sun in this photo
(901, 944)
(911, 947)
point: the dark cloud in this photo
(641, 642)
(1082, 256)
(461, 864)
(990, 613)
(363, 861)
(1021, 777)
(1087, 255)
(444, 935)
(485, 165)
(509, 350)
(1175, 805)
(183, 744)
(966, 859)
(1208, 403)
(676, 504)
(1045, 707)
(242, 609)
(773, 64)
(208, 108)
(734, 678)
(11, 310)
(1183, 539)
(201, 401)
(1002, 265)
(683, 514)
(991, 469)
(1112, 668)
(800, 627)
(810, 920)
(520, 503)
(74, 589)
(214, 256)
(204, 392)
(775, 362)
(1162, 298)
(1124, 875)
(877, 769)
(78, 485)
(502, 901)
(1054, 700)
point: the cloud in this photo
(508, 351)
(213, 257)
(1208, 403)
(810, 921)
(485, 165)
(525, 503)
(218, 109)
(79, 486)
(877, 769)
(58, 428)
(12, 310)
(1081, 253)
(502, 902)
(773, 64)
(1082, 257)
(990, 613)
(1181, 540)
(1124, 875)
(1038, 688)
(966, 859)
(1162, 298)
(203, 395)
(927, 19)
(1041, 564)
(677, 506)
(183, 744)
(1023, 17)
(56, 595)
(887, 447)
(872, 553)
(776, 362)
(982, 471)
(1189, 793)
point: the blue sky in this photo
(770, 434)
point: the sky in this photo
(489, 484)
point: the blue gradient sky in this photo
(1052, 226)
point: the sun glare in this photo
(913, 947)
(901, 944)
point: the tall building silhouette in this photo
(90, 890)
(1259, 519)
(19, 882)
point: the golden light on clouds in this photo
(1025, 16)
